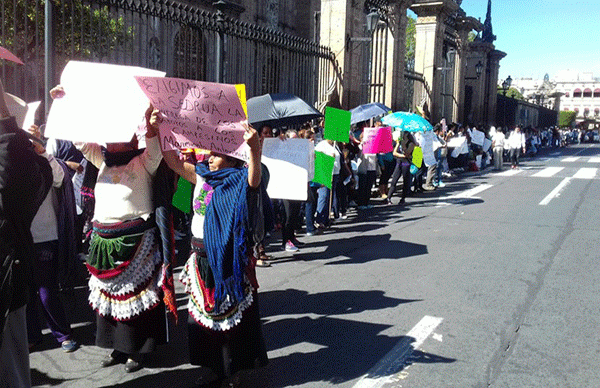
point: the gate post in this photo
(48, 55)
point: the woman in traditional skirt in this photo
(124, 258)
(224, 327)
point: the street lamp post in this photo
(505, 86)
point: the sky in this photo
(543, 36)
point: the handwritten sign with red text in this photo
(198, 114)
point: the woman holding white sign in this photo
(224, 327)
(125, 259)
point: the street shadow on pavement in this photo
(290, 301)
(358, 250)
(324, 348)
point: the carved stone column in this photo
(494, 58)
(396, 59)
(463, 69)
(430, 28)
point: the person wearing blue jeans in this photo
(322, 218)
(310, 207)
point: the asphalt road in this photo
(489, 282)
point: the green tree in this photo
(566, 118)
(81, 31)
(411, 42)
(512, 93)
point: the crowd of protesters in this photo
(112, 207)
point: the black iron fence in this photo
(180, 39)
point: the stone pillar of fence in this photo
(396, 59)
(430, 30)
(464, 71)
(340, 20)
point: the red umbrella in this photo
(5, 54)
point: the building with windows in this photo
(581, 93)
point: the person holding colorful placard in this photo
(228, 223)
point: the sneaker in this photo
(290, 247)
(344, 216)
(428, 188)
(310, 234)
(69, 346)
(441, 184)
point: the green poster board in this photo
(182, 199)
(337, 125)
(323, 169)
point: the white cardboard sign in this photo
(291, 167)
(102, 104)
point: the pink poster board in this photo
(198, 114)
(377, 140)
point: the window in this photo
(577, 93)
(587, 93)
(597, 93)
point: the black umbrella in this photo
(279, 110)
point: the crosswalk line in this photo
(548, 172)
(594, 160)
(556, 192)
(570, 159)
(508, 173)
(586, 173)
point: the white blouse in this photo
(124, 192)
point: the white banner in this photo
(487, 143)
(291, 166)
(427, 145)
(477, 137)
(456, 142)
(102, 104)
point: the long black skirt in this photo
(139, 335)
(227, 352)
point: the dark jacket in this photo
(25, 179)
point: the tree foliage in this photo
(411, 42)
(512, 93)
(566, 118)
(80, 30)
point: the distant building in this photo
(581, 93)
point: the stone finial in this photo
(488, 34)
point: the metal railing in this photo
(182, 40)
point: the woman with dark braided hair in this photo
(224, 327)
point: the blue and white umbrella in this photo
(368, 111)
(406, 121)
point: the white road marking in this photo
(594, 160)
(468, 194)
(548, 172)
(556, 192)
(570, 159)
(509, 172)
(384, 371)
(586, 173)
(472, 192)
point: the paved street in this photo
(489, 282)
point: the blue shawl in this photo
(225, 231)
